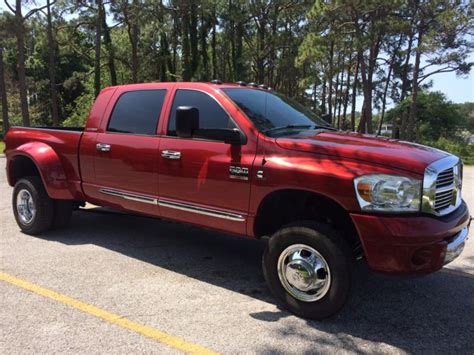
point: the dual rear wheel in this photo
(34, 210)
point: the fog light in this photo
(422, 256)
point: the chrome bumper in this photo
(456, 246)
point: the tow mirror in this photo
(187, 121)
(187, 126)
(227, 135)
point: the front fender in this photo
(49, 166)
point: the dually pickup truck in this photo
(248, 161)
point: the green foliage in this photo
(79, 110)
(467, 112)
(436, 116)
(457, 147)
(441, 124)
(310, 50)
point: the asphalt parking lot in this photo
(149, 286)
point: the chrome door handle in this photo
(102, 147)
(171, 154)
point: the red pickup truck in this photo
(248, 161)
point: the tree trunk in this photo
(367, 93)
(367, 71)
(193, 38)
(98, 34)
(323, 98)
(239, 69)
(174, 44)
(387, 83)
(260, 59)
(20, 37)
(354, 94)
(52, 66)
(232, 36)
(331, 68)
(336, 93)
(346, 94)
(405, 80)
(185, 35)
(339, 100)
(3, 94)
(400, 132)
(205, 59)
(416, 70)
(110, 50)
(214, 44)
(133, 35)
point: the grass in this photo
(2, 146)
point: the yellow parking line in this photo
(150, 332)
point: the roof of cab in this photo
(194, 84)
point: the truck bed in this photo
(63, 140)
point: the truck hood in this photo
(376, 150)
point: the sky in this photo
(456, 89)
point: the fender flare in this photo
(49, 166)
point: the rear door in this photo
(126, 158)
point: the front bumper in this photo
(456, 245)
(412, 244)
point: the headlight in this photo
(388, 193)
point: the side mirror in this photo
(187, 121)
(226, 135)
(187, 126)
(327, 117)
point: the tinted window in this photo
(269, 110)
(211, 114)
(137, 112)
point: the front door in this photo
(200, 181)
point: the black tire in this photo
(331, 247)
(43, 217)
(62, 213)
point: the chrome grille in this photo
(444, 190)
(442, 186)
(445, 178)
(443, 199)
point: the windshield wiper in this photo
(291, 126)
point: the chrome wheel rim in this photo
(304, 273)
(25, 206)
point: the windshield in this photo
(272, 112)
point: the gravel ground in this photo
(208, 289)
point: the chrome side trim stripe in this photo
(202, 210)
(129, 196)
(175, 205)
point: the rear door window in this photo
(137, 112)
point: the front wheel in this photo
(307, 267)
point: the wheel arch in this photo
(39, 159)
(285, 206)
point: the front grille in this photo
(442, 186)
(443, 199)
(445, 190)
(445, 178)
